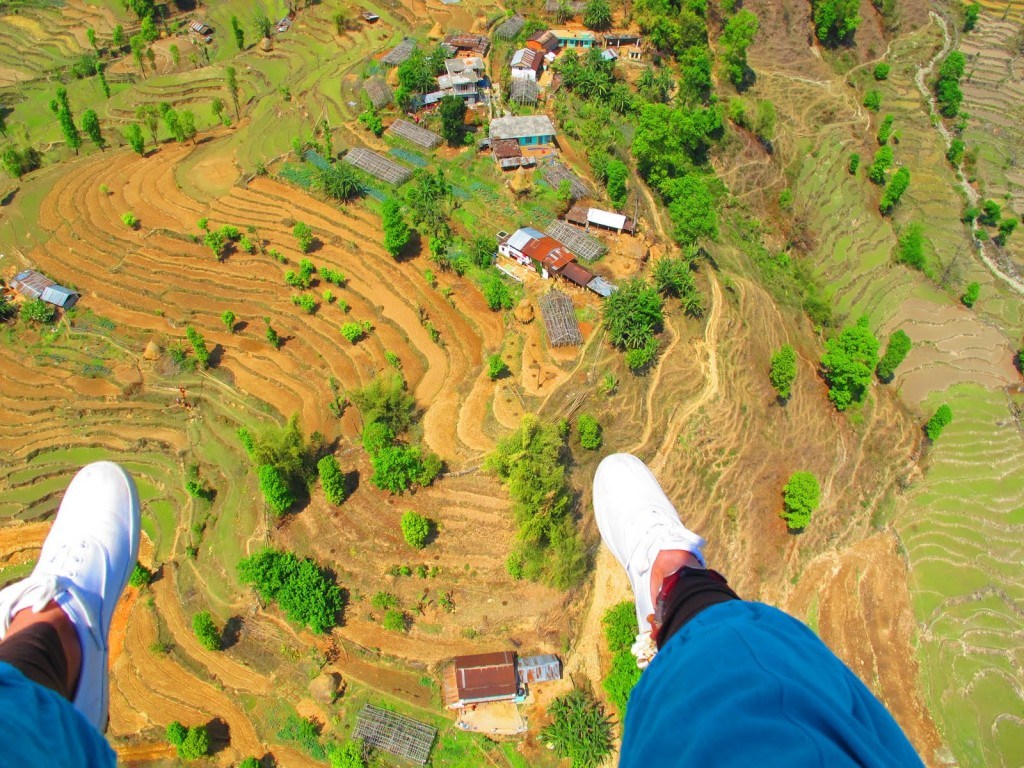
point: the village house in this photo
(587, 217)
(527, 131)
(462, 45)
(35, 285)
(480, 679)
(574, 38)
(545, 43)
(532, 248)
(526, 64)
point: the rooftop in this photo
(483, 677)
(521, 127)
(527, 59)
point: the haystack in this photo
(521, 182)
(436, 32)
(152, 350)
(524, 312)
(326, 687)
(266, 45)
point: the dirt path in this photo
(1011, 280)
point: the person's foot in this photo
(84, 566)
(642, 529)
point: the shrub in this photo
(190, 743)
(199, 347)
(176, 733)
(395, 621)
(580, 730)
(938, 422)
(895, 351)
(589, 431)
(416, 529)
(347, 755)
(129, 220)
(306, 302)
(496, 292)
(885, 130)
(353, 331)
(873, 100)
(910, 248)
(206, 631)
(228, 318)
(496, 367)
(782, 373)
(622, 677)
(249, 762)
(304, 235)
(37, 311)
(307, 594)
(382, 601)
(800, 497)
(332, 479)
(387, 400)
(881, 164)
(141, 576)
(275, 489)
(854, 163)
(970, 295)
(395, 468)
(894, 190)
(881, 71)
(955, 153)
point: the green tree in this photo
(579, 730)
(187, 125)
(971, 13)
(150, 117)
(129, 219)
(597, 15)
(138, 46)
(835, 21)
(148, 29)
(117, 36)
(386, 399)
(176, 733)
(377, 436)
(395, 620)
(782, 373)
(970, 295)
(352, 331)
(338, 182)
(854, 163)
(894, 190)
(416, 529)
(199, 347)
(881, 164)
(90, 35)
(236, 28)
(737, 35)
(141, 576)
(262, 24)
(175, 52)
(102, 77)
(673, 277)
(692, 208)
(206, 631)
(231, 78)
(589, 430)
(332, 479)
(396, 468)
(372, 122)
(881, 71)
(216, 242)
(196, 743)
(955, 153)
(37, 311)
(308, 595)
(947, 86)
(800, 497)
(62, 109)
(133, 135)
(496, 292)
(848, 363)
(910, 248)
(275, 489)
(990, 212)
(633, 314)
(346, 755)
(873, 100)
(396, 232)
(895, 351)
(885, 130)
(496, 367)
(1006, 228)
(616, 174)
(228, 318)
(91, 125)
(453, 115)
(249, 762)
(430, 201)
(938, 422)
(304, 235)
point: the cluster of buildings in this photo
(536, 250)
(481, 679)
(542, 48)
(465, 68)
(35, 285)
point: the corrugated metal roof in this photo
(523, 236)
(521, 127)
(576, 274)
(31, 283)
(601, 287)
(606, 218)
(543, 668)
(486, 677)
(59, 295)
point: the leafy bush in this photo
(885, 130)
(938, 422)
(894, 190)
(347, 755)
(305, 733)
(307, 594)
(395, 621)
(970, 295)
(947, 87)
(496, 367)
(580, 730)
(589, 431)
(881, 71)
(37, 311)
(275, 489)
(386, 399)
(971, 13)
(620, 626)
(206, 631)
(800, 497)
(376, 437)
(638, 359)
(141, 576)
(305, 302)
(854, 163)
(332, 479)
(228, 318)
(384, 600)
(496, 292)
(396, 231)
(190, 743)
(304, 235)
(353, 331)
(416, 529)
(673, 277)
(249, 762)
(955, 153)
(881, 165)
(199, 347)
(873, 100)
(129, 220)
(895, 351)
(782, 373)
(910, 248)
(848, 363)
(622, 677)
(397, 468)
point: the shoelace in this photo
(37, 590)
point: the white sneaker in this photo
(84, 565)
(637, 521)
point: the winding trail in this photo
(1011, 280)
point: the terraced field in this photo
(955, 522)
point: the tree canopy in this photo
(452, 110)
(942, 417)
(633, 314)
(579, 730)
(307, 594)
(783, 371)
(897, 348)
(416, 529)
(800, 497)
(835, 20)
(848, 363)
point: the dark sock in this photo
(696, 590)
(37, 653)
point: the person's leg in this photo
(44, 647)
(54, 624)
(731, 682)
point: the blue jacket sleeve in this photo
(40, 728)
(744, 684)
